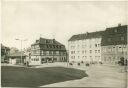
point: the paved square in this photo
(99, 76)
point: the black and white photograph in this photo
(67, 43)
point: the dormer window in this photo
(37, 41)
(54, 46)
(115, 30)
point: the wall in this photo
(84, 50)
(111, 54)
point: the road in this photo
(99, 76)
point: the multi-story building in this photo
(47, 50)
(114, 44)
(85, 47)
(4, 53)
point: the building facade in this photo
(17, 58)
(47, 50)
(114, 44)
(5, 51)
(85, 47)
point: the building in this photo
(4, 53)
(47, 50)
(114, 44)
(85, 47)
(15, 58)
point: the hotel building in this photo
(47, 50)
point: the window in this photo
(44, 52)
(72, 52)
(115, 30)
(120, 49)
(54, 52)
(83, 52)
(109, 49)
(57, 52)
(95, 45)
(50, 46)
(47, 46)
(122, 38)
(95, 51)
(90, 46)
(47, 52)
(98, 45)
(90, 51)
(83, 46)
(60, 47)
(109, 39)
(37, 59)
(73, 57)
(50, 52)
(77, 46)
(98, 51)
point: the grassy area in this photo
(32, 77)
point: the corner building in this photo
(114, 44)
(47, 51)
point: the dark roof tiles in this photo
(86, 36)
(114, 35)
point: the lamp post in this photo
(21, 47)
(67, 56)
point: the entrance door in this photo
(43, 60)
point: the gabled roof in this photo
(86, 36)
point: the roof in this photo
(113, 35)
(49, 44)
(17, 54)
(47, 41)
(86, 36)
(4, 47)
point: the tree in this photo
(122, 62)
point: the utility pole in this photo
(67, 58)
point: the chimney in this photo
(86, 33)
(53, 40)
(119, 24)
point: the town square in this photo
(64, 44)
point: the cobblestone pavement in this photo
(99, 76)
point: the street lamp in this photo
(21, 47)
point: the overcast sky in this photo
(32, 19)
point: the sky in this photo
(29, 20)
